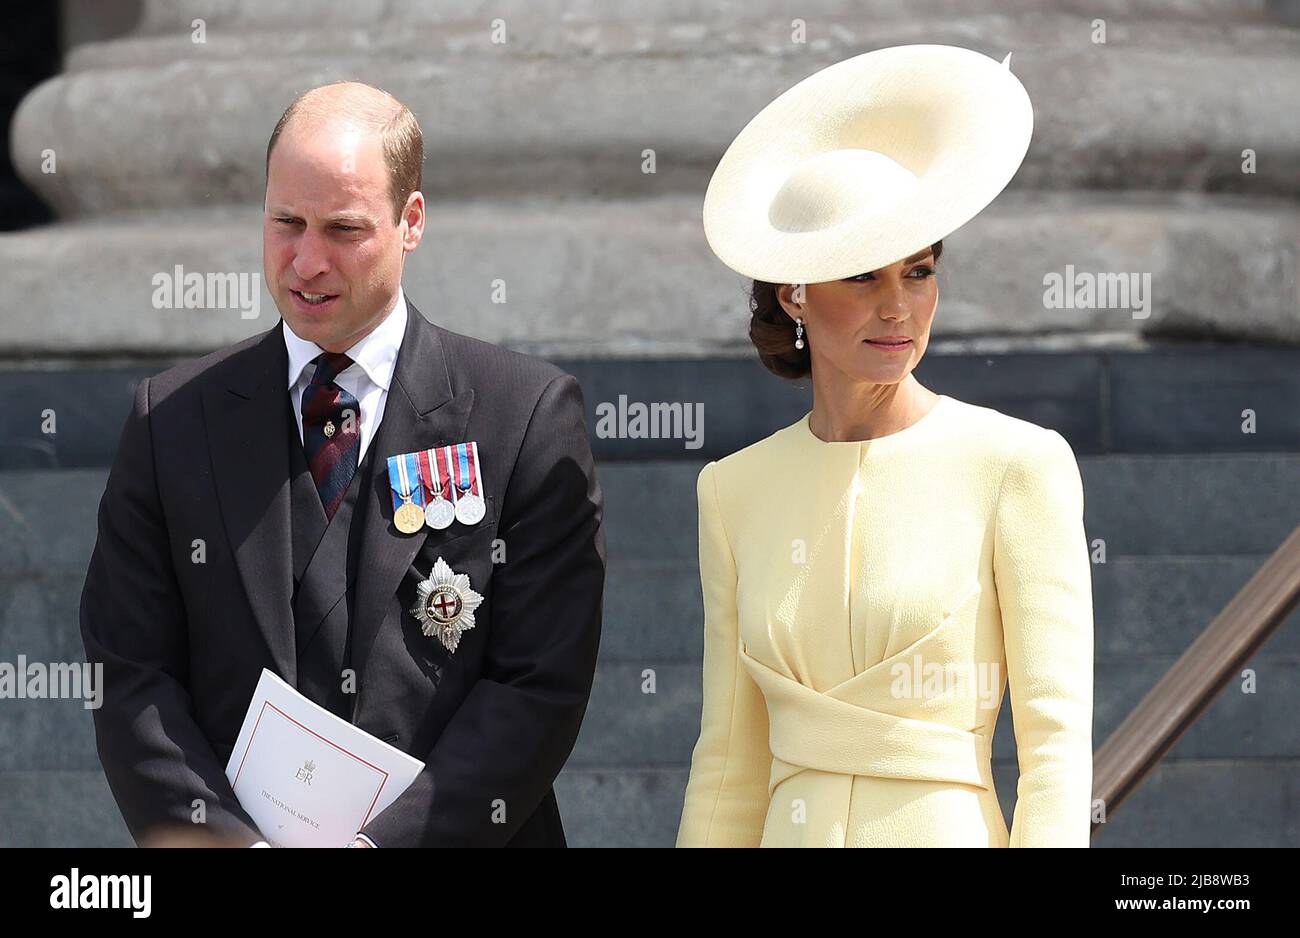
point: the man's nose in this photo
(311, 257)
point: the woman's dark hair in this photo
(772, 330)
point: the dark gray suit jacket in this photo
(204, 457)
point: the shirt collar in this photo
(376, 353)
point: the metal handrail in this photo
(1190, 686)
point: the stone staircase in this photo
(1183, 533)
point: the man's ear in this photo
(413, 215)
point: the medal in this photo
(445, 604)
(437, 487)
(408, 517)
(470, 507)
(438, 512)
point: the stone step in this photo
(647, 285)
(1148, 109)
(1237, 803)
(1142, 606)
(164, 17)
(1147, 611)
(1166, 399)
(60, 808)
(1141, 506)
(627, 726)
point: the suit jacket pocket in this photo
(450, 543)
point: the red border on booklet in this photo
(252, 735)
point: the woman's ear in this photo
(792, 297)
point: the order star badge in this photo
(445, 604)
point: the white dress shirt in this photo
(367, 378)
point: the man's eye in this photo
(347, 228)
(286, 221)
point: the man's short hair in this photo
(345, 102)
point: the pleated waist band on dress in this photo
(812, 730)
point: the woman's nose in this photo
(891, 299)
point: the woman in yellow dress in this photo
(878, 573)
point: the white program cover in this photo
(307, 777)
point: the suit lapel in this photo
(250, 462)
(421, 412)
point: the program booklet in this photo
(307, 777)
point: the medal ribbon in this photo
(411, 478)
(430, 473)
(401, 469)
(445, 473)
(474, 469)
(395, 480)
(467, 469)
(453, 470)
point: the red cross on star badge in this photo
(445, 604)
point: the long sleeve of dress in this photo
(726, 793)
(1044, 585)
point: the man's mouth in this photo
(313, 299)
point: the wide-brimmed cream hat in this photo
(867, 162)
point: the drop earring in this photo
(798, 333)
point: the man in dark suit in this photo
(248, 523)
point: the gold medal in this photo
(409, 518)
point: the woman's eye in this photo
(922, 270)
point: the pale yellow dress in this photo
(865, 606)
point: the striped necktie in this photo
(331, 430)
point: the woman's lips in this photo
(889, 345)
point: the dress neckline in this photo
(889, 441)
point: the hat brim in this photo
(866, 162)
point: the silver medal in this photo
(439, 513)
(445, 604)
(470, 508)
